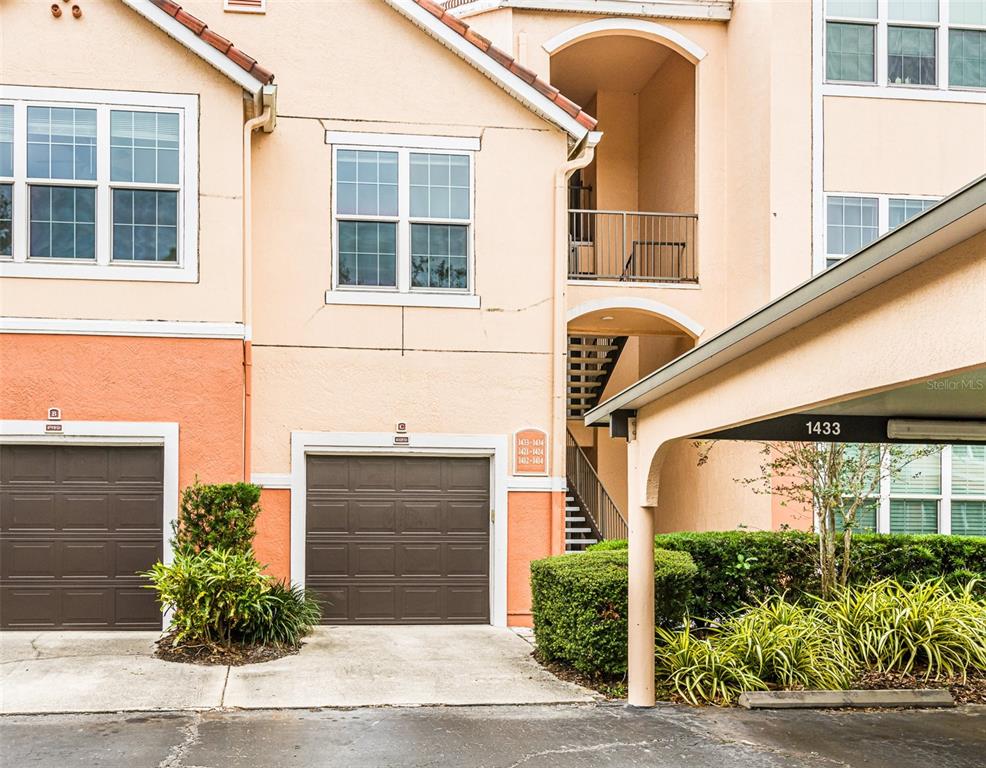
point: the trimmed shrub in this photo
(580, 605)
(219, 516)
(736, 568)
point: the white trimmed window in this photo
(854, 221)
(929, 44)
(939, 492)
(98, 184)
(403, 222)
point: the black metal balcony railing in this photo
(630, 246)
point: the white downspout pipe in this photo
(559, 323)
(261, 121)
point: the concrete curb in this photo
(911, 697)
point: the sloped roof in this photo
(195, 34)
(503, 69)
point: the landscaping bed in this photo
(234, 655)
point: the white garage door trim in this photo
(24, 432)
(382, 443)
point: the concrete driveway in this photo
(62, 672)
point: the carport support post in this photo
(640, 621)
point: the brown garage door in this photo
(76, 524)
(399, 540)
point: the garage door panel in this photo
(29, 607)
(421, 560)
(328, 516)
(467, 559)
(78, 523)
(82, 464)
(28, 464)
(21, 511)
(373, 560)
(135, 513)
(422, 516)
(28, 559)
(416, 530)
(468, 517)
(467, 604)
(328, 473)
(326, 559)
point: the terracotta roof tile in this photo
(507, 62)
(217, 41)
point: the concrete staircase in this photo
(579, 532)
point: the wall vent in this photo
(245, 6)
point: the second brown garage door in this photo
(399, 540)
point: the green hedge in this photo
(580, 605)
(737, 567)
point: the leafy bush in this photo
(580, 605)
(742, 567)
(213, 594)
(221, 597)
(220, 516)
(789, 646)
(288, 616)
(930, 626)
(700, 671)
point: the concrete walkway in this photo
(63, 672)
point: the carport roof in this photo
(956, 218)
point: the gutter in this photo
(880, 261)
(266, 120)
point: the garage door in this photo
(76, 524)
(399, 540)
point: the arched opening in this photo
(611, 344)
(632, 210)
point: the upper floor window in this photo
(900, 43)
(854, 221)
(403, 219)
(97, 184)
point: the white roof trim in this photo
(511, 83)
(636, 27)
(711, 10)
(957, 217)
(194, 43)
(675, 316)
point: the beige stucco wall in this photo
(892, 146)
(89, 53)
(362, 368)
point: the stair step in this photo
(580, 541)
(577, 530)
(593, 347)
(575, 519)
(573, 509)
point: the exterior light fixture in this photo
(921, 429)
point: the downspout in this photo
(581, 157)
(266, 120)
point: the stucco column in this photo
(640, 649)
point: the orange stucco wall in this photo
(197, 383)
(272, 544)
(534, 531)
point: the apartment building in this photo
(388, 282)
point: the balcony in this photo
(630, 246)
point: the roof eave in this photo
(811, 299)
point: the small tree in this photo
(836, 481)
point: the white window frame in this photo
(941, 91)
(404, 294)
(104, 268)
(882, 219)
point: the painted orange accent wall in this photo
(197, 383)
(530, 536)
(273, 542)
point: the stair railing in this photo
(585, 484)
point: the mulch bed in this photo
(213, 655)
(972, 691)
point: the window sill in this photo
(395, 299)
(91, 271)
